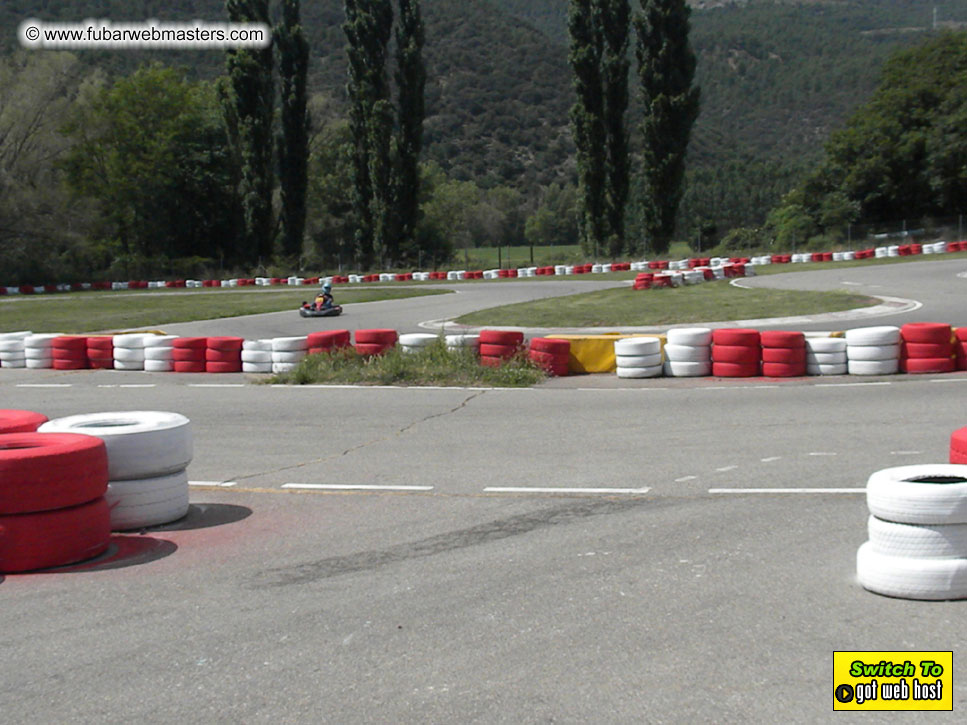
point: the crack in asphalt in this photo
(366, 444)
(492, 531)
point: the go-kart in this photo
(310, 309)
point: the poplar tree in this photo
(294, 141)
(410, 82)
(666, 68)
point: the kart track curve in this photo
(654, 551)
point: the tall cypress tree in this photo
(666, 68)
(410, 82)
(294, 141)
(615, 29)
(251, 99)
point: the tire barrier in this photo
(325, 342)
(38, 352)
(783, 354)
(20, 421)
(256, 356)
(188, 354)
(288, 352)
(416, 341)
(498, 346)
(958, 446)
(873, 350)
(826, 356)
(69, 353)
(159, 353)
(457, 342)
(736, 353)
(927, 347)
(551, 355)
(129, 351)
(224, 355)
(638, 357)
(147, 454)
(100, 352)
(917, 547)
(12, 350)
(375, 342)
(52, 506)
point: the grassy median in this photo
(625, 307)
(108, 311)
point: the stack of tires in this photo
(960, 348)
(375, 342)
(69, 353)
(256, 356)
(638, 357)
(927, 347)
(416, 341)
(873, 350)
(288, 352)
(328, 341)
(550, 355)
(12, 350)
(460, 342)
(38, 351)
(159, 353)
(688, 352)
(783, 354)
(736, 353)
(958, 446)
(188, 355)
(224, 355)
(52, 506)
(826, 356)
(147, 454)
(100, 352)
(20, 421)
(129, 351)
(499, 346)
(917, 546)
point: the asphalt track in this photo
(711, 582)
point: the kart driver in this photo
(324, 297)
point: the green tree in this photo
(411, 83)
(666, 67)
(615, 27)
(249, 100)
(294, 141)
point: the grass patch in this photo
(97, 311)
(702, 303)
(433, 365)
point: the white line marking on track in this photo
(216, 385)
(509, 489)
(853, 284)
(44, 385)
(822, 453)
(723, 469)
(222, 484)
(851, 385)
(949, 380)
(905, 453)
(770, 459)
(685, 478)
(351, 487)
(787, 490)
(145, 385)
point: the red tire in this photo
(501, 337)
(58, 353)
(742, 337)
(222, 356)
(226, 344)
(491, 362)
(73, 344)
(101, 363)
(926, 349)
(69, 364)
(329, 339)
(45, 471)
(223, 367)
(551, 363)
(100, 343)
(782, 339)
(376, 337)
(783, 370)
(504, 352)
(936, 332)
(736, 354)
(961, 333)
(928, 365)
(20, 421)
(188, 366)
(372, 348)
(784, 355)
(54, 538)
(735, 370)
(958, 446)
(556, 347)
(189, 343)
(189, 354)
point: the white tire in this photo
(911, 578)
(260, 345)
(463, 340)
(280, 367)
(21, 335)
(873, 367)
(140, 444)
(151, 341)
(129, 364)
(638, 361)
(684, 369)
(932, 493)
(147, 501)
(134, 340)
(14, 355)
(417, 339)
(688, 353)
(154, 354)
(826, 344)
(693, 336)
(159, 366)
(14, 345)
(39, 363)
(13, 363)
(637, 346)
(252, 367)
(129, 354)
(873, 352)
(883, 335)
(288, 344)
(291, 356)
(42, 341)
(37, 353)
(651, 372)
(922, 541)
(256, 356)
(826, 358)
(827, 368)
